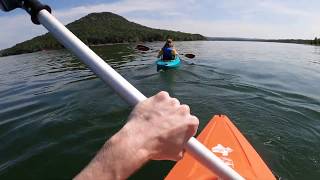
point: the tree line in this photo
(316, 41)
(102, 28)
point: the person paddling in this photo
(168, 52)
(158, 128)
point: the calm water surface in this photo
(55, 113)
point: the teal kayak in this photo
(164, 65)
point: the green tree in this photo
(100, 28)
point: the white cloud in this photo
(19, 28)
(188, 16)
(235, 28)
(16, 29)
(121, 8)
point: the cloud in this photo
(16, 29)
(254, 18)
(284, 9)
(19, 28)
(217, 28)
(121, 7)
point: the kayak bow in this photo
(226, 142)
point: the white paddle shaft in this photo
(128, 92)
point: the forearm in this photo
(157, 129)
(160, 54)
(120, 157)
(175, 52)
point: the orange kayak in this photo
(226, 142)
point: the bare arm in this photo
(175, 52)
(160, 53)
(157, 129)
(119, 157)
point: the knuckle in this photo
(162, 95)
(175, 101)
(185, 109)
(194, 121)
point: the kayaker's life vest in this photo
(167, 53)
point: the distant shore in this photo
(98, 29)
(315, 42)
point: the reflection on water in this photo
(55, 114)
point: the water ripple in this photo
(55, 113)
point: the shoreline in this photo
(293, 41)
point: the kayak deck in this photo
(226, 141)
(168, 64)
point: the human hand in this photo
(163, 126)
(157, 129)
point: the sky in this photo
(298, 19)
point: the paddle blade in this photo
(142, 47)
(191, 56)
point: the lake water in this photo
(55, 113)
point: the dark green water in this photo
(55, 114)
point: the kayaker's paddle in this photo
(145, 48)
(40, 14)
(191, 56)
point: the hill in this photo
(101, 28)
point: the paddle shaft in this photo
(145, 48)
(128, 92)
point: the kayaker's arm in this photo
(175, 52)
(157, 129)
(119, 157)
(160, 53)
